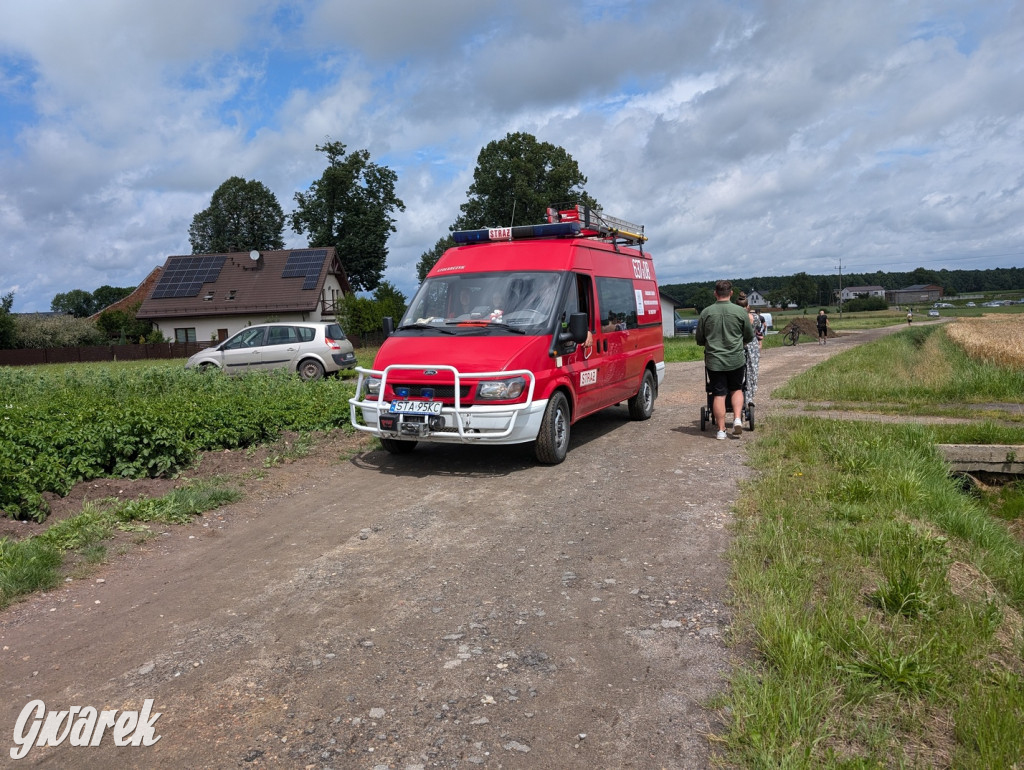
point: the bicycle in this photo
(791, 335)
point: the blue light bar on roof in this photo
(494, 234)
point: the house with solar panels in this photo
(211, 296)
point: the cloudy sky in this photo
(750, 138)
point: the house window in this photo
(231, 293)
(185, 335)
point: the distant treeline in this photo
(952, 282)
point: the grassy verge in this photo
(34, 564)
(682, 348)
(884, 602)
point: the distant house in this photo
(861, 292)
(920, 292)
(668, 314)
(212, 296)
(754, 299)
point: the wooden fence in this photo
(32, 356)
(113, 352)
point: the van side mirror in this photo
(577, 331)
(389, 326)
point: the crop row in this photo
(62, 425)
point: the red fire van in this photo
(517, 333)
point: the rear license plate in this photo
(415, 407)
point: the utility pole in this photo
(840, 298)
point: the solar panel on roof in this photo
(307, 264)
(185, 276)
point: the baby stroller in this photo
(706, 415)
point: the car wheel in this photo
(397, 447)
(207, 367)
(641, 406)
(553, 439)
(311, 369)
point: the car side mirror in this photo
(389, 326)
(577, 331)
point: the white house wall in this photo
(207, 328)
(668, 318)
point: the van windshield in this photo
(520, 301)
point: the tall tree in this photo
(703, 298)
(105, 296)
(77, 302)
(242, 216)
(803, 290)
(390, 299)
(429, 258)
(7, 327)
(350, 207)
(516, 179)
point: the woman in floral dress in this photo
(753, 350)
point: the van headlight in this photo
(501, 390)
(372, 385)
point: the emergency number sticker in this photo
(588, 377)
(639, 301)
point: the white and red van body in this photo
(514, 336)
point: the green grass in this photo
(682, 348)
(883, 601)
(34, 564)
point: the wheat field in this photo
(994, 339)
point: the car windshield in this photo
(520, 301)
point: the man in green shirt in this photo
(722, 330)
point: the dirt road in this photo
(456, 607)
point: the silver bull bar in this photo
(458, 423)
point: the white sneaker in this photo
(737, 427)
(720, 435)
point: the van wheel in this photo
(396, 447)
(311, 369)
(553, 439)
(641, 406)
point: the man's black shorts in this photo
(724, 383)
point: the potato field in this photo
(63, 424)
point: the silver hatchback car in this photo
(311, 349)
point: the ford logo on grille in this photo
(430, 372)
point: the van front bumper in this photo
(455, 424)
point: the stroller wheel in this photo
(703, 417)
(750, 416)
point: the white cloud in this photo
(760, 138)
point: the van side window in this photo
(585, 294)
(617, 303)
